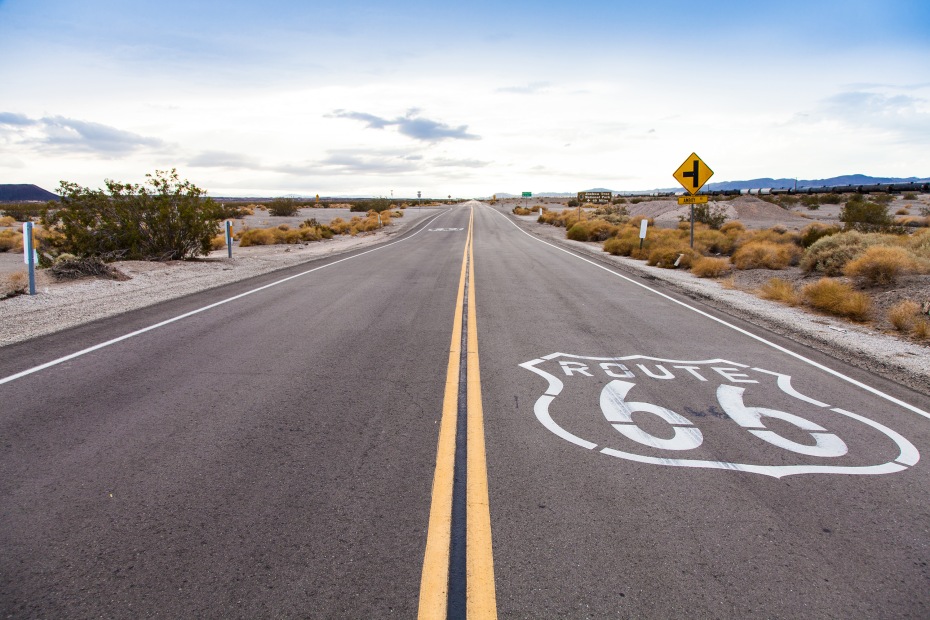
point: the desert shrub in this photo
(232, 211)
(282, 207)
(713, 242)
(14, 284)
(837, 298)
(921, 328)
(666, 255)
(612, 213)
(69, 267)
(339, 226)
(778, 289)
(733, 228)
(910, 196)
(566, 218)
(25, 211)
(881, 198)
(814, 232)
(919, 244)
(218, 242)
(812, 202)
(573, 203)
(881, 265)
(624, 245)
(164, 219)
(765, 255)
(902, 211)
(830, 254)
(11, 240)
(377, 205)
(708, 267)
(591, 230)
(903, 315)
(618, 201)
(636, 201)
(866, 216)
(522, 211)
(711, 214)
(7, 220)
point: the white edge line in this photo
(798, 356)
(108, 343)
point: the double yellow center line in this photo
(479, 577)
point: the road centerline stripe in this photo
(439, 596)
(481, 601)
(434, 580)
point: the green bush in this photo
(866, 216)
(164, 219)
(25, 211)
(829, 255)
(710, 214)
(283, 207)
(811, 233)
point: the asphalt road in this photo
(276, 455)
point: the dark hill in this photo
(23, 193)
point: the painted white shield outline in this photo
(617, 411)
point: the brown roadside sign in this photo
(693, 174)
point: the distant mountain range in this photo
(24, 193)
(849, 179)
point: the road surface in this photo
(466, 420)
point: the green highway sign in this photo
(527, 194)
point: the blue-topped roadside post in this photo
(228, 239)
(29, 255)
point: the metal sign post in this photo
(228, 239)
(29, 255)
(692, 175)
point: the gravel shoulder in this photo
(60, 305)
(905, 362)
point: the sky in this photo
(465, 99)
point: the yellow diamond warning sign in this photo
(693, 174)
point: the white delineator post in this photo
(642, 232)
(29, 255)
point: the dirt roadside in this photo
(898, 359)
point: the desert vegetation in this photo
(848, 271)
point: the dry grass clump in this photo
(6, 221)
(592, 230)
(279, 235)
(815, 231)
(708, 267)
(902, 211)
(778, 289)
(11, 240)
(837, 298)
(830, 254)
(913, 221)
(904, 315)
(733, 228)
(218, 242)
(70, 267)
(625, 245)
(708, 241)
(565, 218)
(881, 264)
(667, 255)
(921, 328)
(14, 284)
(766, 255)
